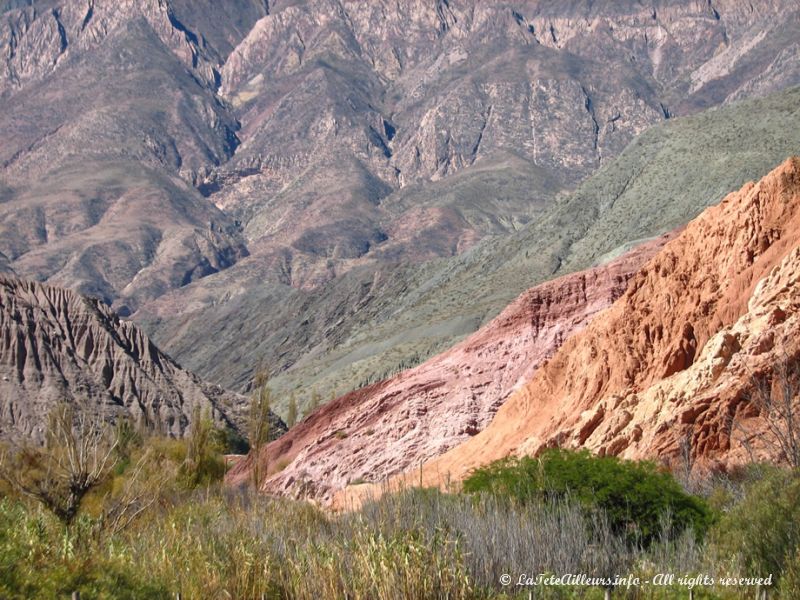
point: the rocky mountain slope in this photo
(57, 346)
(677, 356)
(372, 322)
(238, 152)
(420, 413)
(345, 105)
(518, 99)
(107, 109)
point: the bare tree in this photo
(776, 397)
(135, 498)
(687, 460)
(79, 453)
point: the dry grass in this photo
(230, 544)
(216, 542)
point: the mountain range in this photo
(426, 211)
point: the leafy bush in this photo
(790, 581)
(761, 533)
(634, 495)
(41, 558)
(203, 463)
(151, 535)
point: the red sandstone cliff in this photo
(397, 424)
(677, 354)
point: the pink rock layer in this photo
(397, 424)
(676, 357)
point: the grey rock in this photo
(57, 346)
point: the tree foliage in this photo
(203, 463)
(314, 403)
(291, 412)
(761, 532)
(259, 426)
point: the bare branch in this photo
(77, 456)
(776, 398)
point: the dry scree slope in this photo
(418, 414)
(58, 346)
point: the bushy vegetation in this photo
(635, 496)
(162, 523)
(760, 533)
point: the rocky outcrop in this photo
(678, 355)
(352, 112)
(57, 346)
(447, 92)
(362, 326)
(43, 36)
(398, 423)
(418, 91)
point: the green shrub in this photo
(204, 463)
(231, 441)
(761, 533)
(41, 558)
(634, 495)
(790, 579)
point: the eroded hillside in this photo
(57, 346)
(677, 356)
(383, 429)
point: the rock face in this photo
(348, 107)
(677, 355)
(57, 346)
(372, 321)
(393, 425)
(173, 156)
(107, 109)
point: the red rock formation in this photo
(677, 354)
(396, 424)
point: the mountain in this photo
(371, 322)
(393, 425)
(678, 356)
(289, 167)
(107, 109)
(57, 346)
(350, 111)
(666, 343)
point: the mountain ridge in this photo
(372, 321)
(57, 346)
(677, 354)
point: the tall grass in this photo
(413, 544)
(225, 544)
